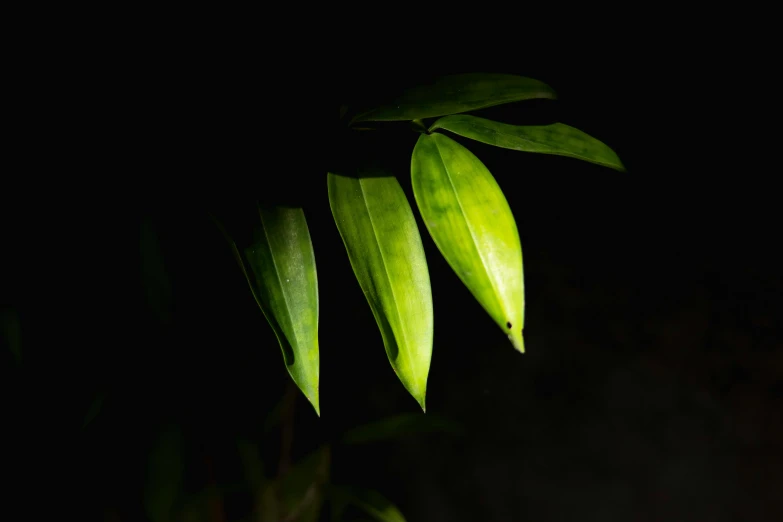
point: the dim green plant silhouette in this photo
(464, 211)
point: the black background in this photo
(651, 387)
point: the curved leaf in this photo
(457, 93)
(283, 279)
(384, 246)
(401, 426)
(302, 489)
(557, 138)
(471, 223)
(369, 501)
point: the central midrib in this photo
(388, 278)
(470, 229)
(280, 281)
(554, 148)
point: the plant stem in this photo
(419, 126)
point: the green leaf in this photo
(400, 426)
(367, 500)
(457, 93)
(283, 280)
(471, 223)
(557, 138)
(385, 250)
(302, 489)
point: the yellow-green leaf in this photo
(280, 268)
(470, 221)
(557, 138)
(385, 250)
(457, 93)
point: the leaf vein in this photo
(388, 278)
(472, 233)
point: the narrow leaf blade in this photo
(470, 221)
(385, 250)
(280, 268)
(457, 93)
(557, 138)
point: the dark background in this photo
(651, 387)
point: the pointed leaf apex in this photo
(419, 392)
(382, 240)
(311, 394)
(517, 341)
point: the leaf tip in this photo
(517, 341)
(419, 392)
(311, 392)
(616, 163)
(315, 403)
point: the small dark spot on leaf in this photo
(508, 325)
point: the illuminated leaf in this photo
(280, 268)
(470, 221)
(385, 250)
(557, 138)
(457, 93)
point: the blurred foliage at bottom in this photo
(250, 490)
